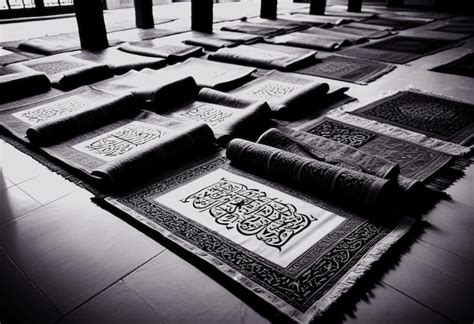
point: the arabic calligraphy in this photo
(121, 140)
(208, 113)
(250, 212)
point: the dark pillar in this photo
(201, 15)
(317, 7)
(144, 13)
(268, 9)
(354, 6)
(90, 21)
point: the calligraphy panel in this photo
(123, 140)
(54, 110)
(53, 67)
(208, 113)
(268, 90)
(266, 221)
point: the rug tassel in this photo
(448, 175)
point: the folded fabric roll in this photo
(286, 25)
(305, 40)
(328, 151)
(348, 37)
(119, 61)
(53, 44)
(22, 84)
(206, 73)
(63, 116)
(227, 115)
(364, 30)
(318, 20)
(220, 39)
(332, 152)
(397, 22)
(209, 43)
(342, 12)
(255, 29)
(150, 90)
(154, 48)
(64, 71)
(285, 93)
(316, 177)
(364, 26)
(131, 148)
(49, 93)
(139, 34)
(265, 56)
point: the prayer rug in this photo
(8, 57)
(14, 86)
(254, 29)
(310, 41)
(64, 71)
(103, 135)
(363, 30)
(437, 117)
(397, 23)
(267, 56)
(206, 73)
(219, 39)
(288, 94)
(296, 252)
(348, 69)
(399, 49)
(415, 161)
(463, 66)
(459, 28)
(120, 61)
(139, 34)
(156, 48)
(55, 44)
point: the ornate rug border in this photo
(459, 137)
(343, 284)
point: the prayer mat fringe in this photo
(342, 286)
(360, 269)
(449, 174)
(343, 114)
(400, 133)
(374, 76)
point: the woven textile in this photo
(293, 251)
(463, 66)
(399, 49)
(348, 69)
(438, 117)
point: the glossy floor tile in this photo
(180, 293)
(73, 249)
(437, 279)
(20, 300)
(15, 203)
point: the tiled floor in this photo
(64, 259)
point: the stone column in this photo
(90, 21)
